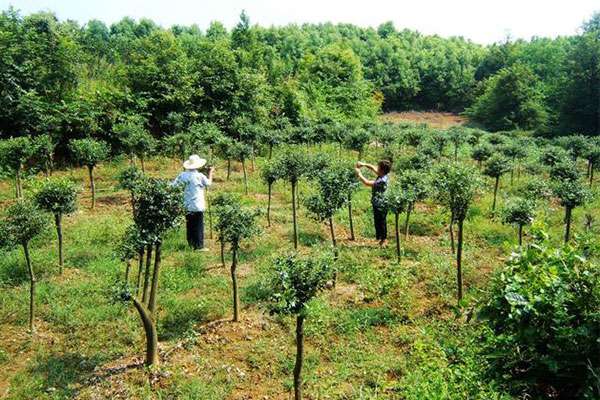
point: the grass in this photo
(386, 331)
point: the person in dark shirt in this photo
(378, 187)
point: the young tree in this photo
(129, 179)
(481, 153)
(396, 201)
(496, 166)
(519, 212)
(176, 146)
(131, 246)
(270, 173)
(158, 210)
(240, 151)
(350, 186)
(292, 166)
(457, 136)
(330, 198)
(415, 186)
(296, 281)
(235, 223)
(89, 152)
(136, 140)
(23, 222)
(515, 150)
(551, 155)
(57, 196)
(593, 159)
(14, 154)
(43, 152)
(571, 194)
(455, 187)
(356, 140)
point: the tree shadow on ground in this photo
(65, 373)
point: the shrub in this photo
(136, 140)
(89, 152)
(43, 152)
(58, 197)
(14, 154)
(571, 193)
(542, 315)
(455, 187)
(519, 212)
(296, 281)
(496, 166)
(356, 140)
(23, 222)
(481, 153)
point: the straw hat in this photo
(194, 162)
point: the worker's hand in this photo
(211, 169)
(359, 164)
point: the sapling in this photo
(293, 165)
(89, 152)
(223, 200)
(330, 197)
(43, 152)
(350, 186)
(593, 159)
(296, 281)
(576, 145)
(235, 223)
(58, 197)
(158, 210)
(551, 155)
(241, 152)
(129, 179)
(496, 166)
(515, 150)
(270, 173)
(438, 140)
(357, 140)
(396, 201)
(204, 138)
(14, 154)
(457, 136)
(571, 194)
(23, 222)
(519, 212)
(564, 170)
(131, 246)
(415, 186)
(481, 153)
(455, 186)
(136, 140)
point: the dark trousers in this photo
(380, 219)
(195, 229)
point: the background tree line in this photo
(72, 81)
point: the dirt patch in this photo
(432, 119)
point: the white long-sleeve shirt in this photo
(195, 184)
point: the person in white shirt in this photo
(195, 184)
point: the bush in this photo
(543, 320)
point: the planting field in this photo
(386, 330)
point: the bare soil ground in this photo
(431, 118)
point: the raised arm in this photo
(362, 178)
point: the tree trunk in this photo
(407, 221)
(269, 206)
(299, 357)
(352, 237)
(222, 251)
(155, 277)
(209, 213)
(591, 174)
(496, 184)
(147, 273)
(396, 218)
(455, 153)
(568, 216)
(150, 331)
(59, 233)
(127, 270)
(459, 250)
(31, 285)
(270, 151)
(451, 229)
(228, 168)
(142, 164)
(294, 222)
(18, 186)
(520, 236)
(140, 269)
(333, 240)
(245, 177)
(92, 185)
(236, 300)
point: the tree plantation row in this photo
(541, 288)
(73, 82)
